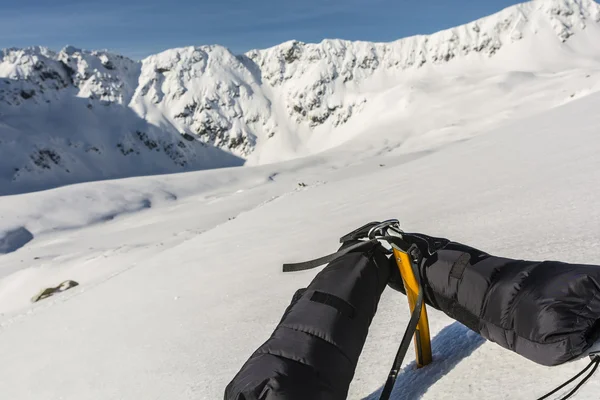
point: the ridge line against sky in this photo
(140, 28)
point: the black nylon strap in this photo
(341, 305)
(404, 344)
(458, 268)
(408, 334)
(359, 233)
(303, 266)
(595, 362)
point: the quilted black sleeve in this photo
(548, 312)
(313, 352)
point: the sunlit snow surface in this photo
(180, 275)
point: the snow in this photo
(78, 115)
(180, 274)
(121, 334)
(64, 118)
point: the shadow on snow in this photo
(454, 343)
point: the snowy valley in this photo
(486, 133)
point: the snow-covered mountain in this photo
(82, 115)
(65, 117)
(180, 275)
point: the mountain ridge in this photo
(202, 107)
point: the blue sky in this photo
(138, 28)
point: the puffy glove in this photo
(428, 247)
(394, 280)
(313, 352)
(440, 261)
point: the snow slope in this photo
(77, 115)
(180, 274)
(490, 142)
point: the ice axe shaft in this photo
(422, 339)
(390, 231)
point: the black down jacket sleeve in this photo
(313, 352)
(548, 312)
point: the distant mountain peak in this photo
(105, 115)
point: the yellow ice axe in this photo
(422, 339)
(390, 232)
